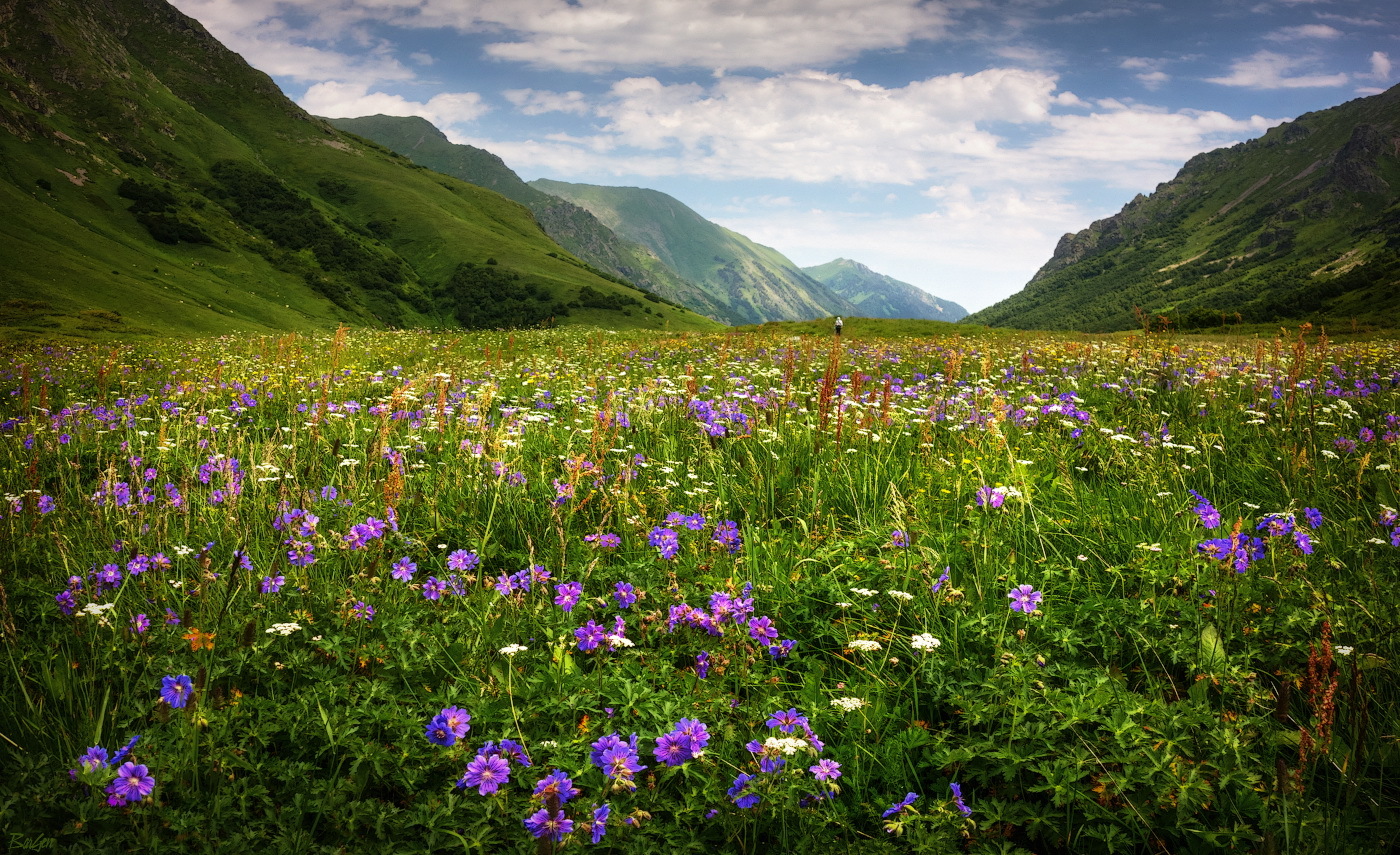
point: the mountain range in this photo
(1301, 224)
(658, 242)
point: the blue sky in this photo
(948, 144)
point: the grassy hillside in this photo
(1300, 224)
(754, 282)
(158, 184)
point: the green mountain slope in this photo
(572, 227)
(753, 282)
(876, 295)
(156, 183)
(1300, 224)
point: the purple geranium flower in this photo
(176, 691)
(1024, 598)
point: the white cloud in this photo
(535, 102)
(1380, 67)
(592, 35)
(1269, 70)
(1305, 31)
(334, 99)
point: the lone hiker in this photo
(838, 326)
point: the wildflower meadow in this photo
(760, 591)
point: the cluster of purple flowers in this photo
(300, 526)
(448, 726)
(568, 594)
(685, 741)
(772, 753)
(1237, 550)
(360, 534)
(619, 760)
(716, 421)
(131, 783)
(605, 540)
(1286, 525)
(521, 580)
(592, 635)
(666, 541)
(727, 535)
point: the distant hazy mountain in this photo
(574, 228)
(754, 283)
(155, 183)
(876, 295)
(1300, 224)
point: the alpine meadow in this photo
(358, 496)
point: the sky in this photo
(946, 143)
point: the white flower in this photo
(900, 595)
(843, 605)
(283, 628)
(1343, 650)
(97, 608)
(512, 649)
(848, 704)
(864, 592)
(788, 745)
(865, 644)
(924, 641)
(620, 641)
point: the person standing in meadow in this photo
(838, 326)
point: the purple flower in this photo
(547, 823)
(990, 497)
(439, 732)
(738, 792)
(958, 800)
(133, 783)
(457, 720)
(404, 569)
(1313, 517)
(941, 581)
(898, 538)
(93, 759)
(621, 765)
(599, 826)
(900, 806)
(825, 770)
(702, 664)
(176, 691)
(672, 748)
(569, 593)
(558, 785)
(624, 594)
(1024, 598)
(171, 618)
(362, 611)
(486, 772)
(786, 720)
(273, 584)
(433, 588)
(140, 624)
(761, 629)
(1205, 511)
(589, 636)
